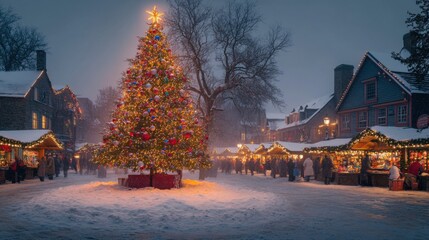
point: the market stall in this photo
(29, 145)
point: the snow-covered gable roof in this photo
(394, 69)
(251, 147)
(331, 142)
(293, 146)
(17, 83)
(25, 136)
(400, 133)
(318, 104)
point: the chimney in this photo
(342, 75)
(40, 60)
(410, 42)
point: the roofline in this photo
(28, 91)
(380, 65)
(311, 117)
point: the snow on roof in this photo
(389, 62)
(17, 83)
(252, 147)
(25, 136)
(294, 146)
(399, 72)
(331, 142)
(232, 149)
(318, 104)
(276, 116)
(401, 134)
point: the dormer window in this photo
(370, 90)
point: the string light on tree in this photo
(154, 124)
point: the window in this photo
(370, 91)
(362, 119)
(345, 122)
(34, 121)
(402, 114)
(36, 94)
(243, 136)
(381, 116)
(44, 122)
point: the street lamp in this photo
(239, 145)
(326, 122)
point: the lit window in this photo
(44, 122)
(402, 114)
(345, 121)
(362, 120)
(370, 91)
(381, 116)
(243, 136)
(34, 122)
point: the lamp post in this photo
(326, 122)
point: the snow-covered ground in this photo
(226, 207)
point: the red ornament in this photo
(173, 141)
(145, 136)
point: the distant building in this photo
(28, 101)
(306, 122)
(26, 98)
(67, 114)
(382, 92)
(86, 131)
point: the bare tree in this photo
(17, 43)
(105, 104)
(224, 55)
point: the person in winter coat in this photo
(50, 167)
(14, 171)
(57, 162)
(364, 177)
(290, 167)
(238, 166)
(66, 165)
(41, 170)
(274, 163)
(283, 168)
(327, 166)
(252, 166)
(308, 169)
(316, 167)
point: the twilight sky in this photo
(90, 40)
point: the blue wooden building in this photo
(381, 92)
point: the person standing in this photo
(57, 163)
(252, 166)
(327, 166)
(316, 167)
(283, 168)
(274, 163)
(290, 167)
(50, 167)
(41, 169)
(308, 169)
(364, 177)
(66, 165)
(238, 166)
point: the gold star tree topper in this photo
(155, 16)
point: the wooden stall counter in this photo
(379, 178)
(346, 178)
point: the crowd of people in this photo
(51, 165)
(296, 170)
(320, 168)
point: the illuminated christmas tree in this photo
(155, 123)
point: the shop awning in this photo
(33, 139)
